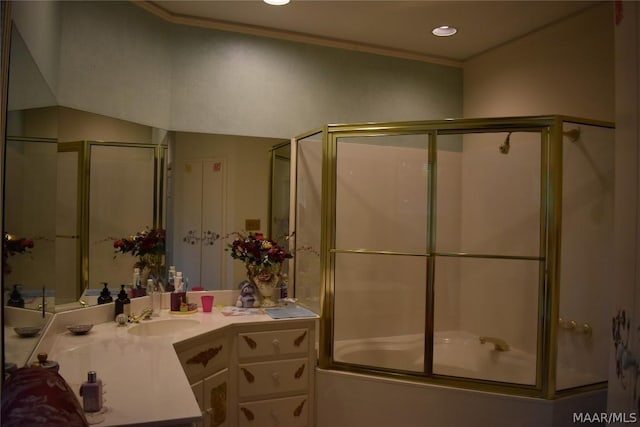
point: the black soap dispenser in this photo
(123, 303)
(105, 294)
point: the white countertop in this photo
(18, 349)
(142, 376)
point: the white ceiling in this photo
(401, 26)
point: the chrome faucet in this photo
(145, 314)
(499, 344)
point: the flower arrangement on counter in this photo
(263, 260)
(256, 250)
(149, 245)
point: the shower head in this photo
(504, 148)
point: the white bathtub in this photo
(361, 400)
(455, 353)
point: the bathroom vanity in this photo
(203, 369)
(252, 374)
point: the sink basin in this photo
(162, 327)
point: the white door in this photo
(199, 222)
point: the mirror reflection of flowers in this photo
(149, 245)
(14, 245)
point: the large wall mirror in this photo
(76, 180)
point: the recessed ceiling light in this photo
(276, 2)
(444, 31)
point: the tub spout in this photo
(499, 344)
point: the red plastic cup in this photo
(207, 303)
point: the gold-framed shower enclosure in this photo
(552, 134)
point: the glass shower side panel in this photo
(584, 329)
(68, 264)
(308, 221)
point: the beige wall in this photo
(566, 68)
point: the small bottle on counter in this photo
(123, 303)
(153, 291)
(171, 281)
(284, 286)
(178, 283)
(91, 392)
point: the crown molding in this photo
(195, 21)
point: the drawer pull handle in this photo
(276, 344)
(298, 411)
(204, 356)
(276, 377)
(248, 375)
(251, 343)
(299, 372)
(298, 341)
(247, 413)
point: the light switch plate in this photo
(252, 224)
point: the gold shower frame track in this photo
(551, 131)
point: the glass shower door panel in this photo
(379, 310)
(488, 199)
(485, 319)
(381, 193)
(308, 218)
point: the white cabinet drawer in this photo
(262, 378)
(204, 358)
(285, 412)
(273, 343)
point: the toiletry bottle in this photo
(136, 284)
(156, 297)
(178, 282)
(105, 294)
(171, 281)
(91, 392)
(284, 291)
